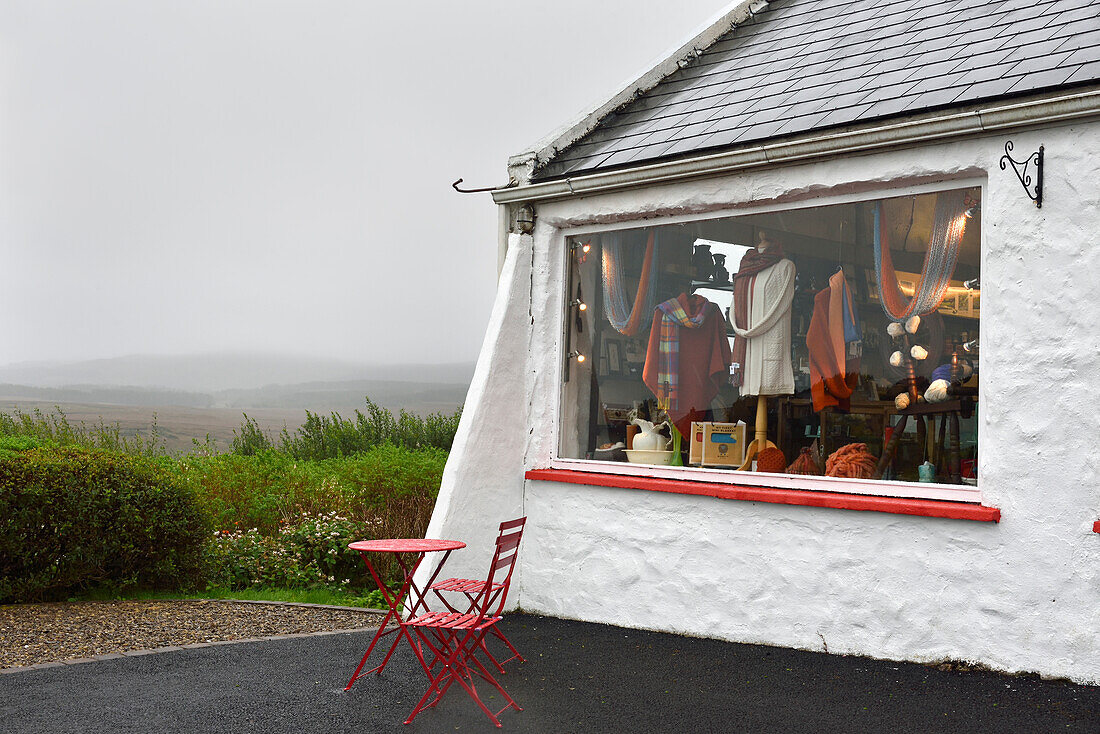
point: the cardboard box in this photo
(717, 444)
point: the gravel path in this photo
(43, 633)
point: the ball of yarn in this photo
(853, 461)
(895, 329)
(771, 460)
(937, 391)
(895, 359)
(912, 324)
(804, 464)
(901, 402)
(943, 372)
(918, 352)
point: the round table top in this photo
(406, 545)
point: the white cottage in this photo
(849, 251)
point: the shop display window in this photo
(833, 341)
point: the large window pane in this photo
(858, 346)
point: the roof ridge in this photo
(522, 166)
(818, 64)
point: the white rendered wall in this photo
(481, 485)
(1021, 595)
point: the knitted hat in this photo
(804, 464)
(771, 460)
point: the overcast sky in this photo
(198, 175)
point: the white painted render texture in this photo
(1021, 595)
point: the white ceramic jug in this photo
(649, 439)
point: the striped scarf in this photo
(673, 316)
(948, 227)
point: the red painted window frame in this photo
(1096, 527)
(803, 497)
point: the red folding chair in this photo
(471, 587)
(453, 638)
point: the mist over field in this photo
(193, 397)
(219, 371)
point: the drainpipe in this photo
(504, 218)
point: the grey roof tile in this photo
(1085, 72)
(1087, 11)
(1041, 79)
(944, 81)
(985, 73)
(933, 98)
(1083, 56)
(1083, 39)
(803, 65)
(885, 107)
(989, 88)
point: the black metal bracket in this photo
(511, 182)
(1020, 169)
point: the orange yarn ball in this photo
(853, 461)
(771, 460)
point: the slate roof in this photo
(804, 65)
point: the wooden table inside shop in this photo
(946, 443)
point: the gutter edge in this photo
(991, 118)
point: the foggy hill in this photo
(224, 371)
(417, 397)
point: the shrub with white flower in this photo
(310, 550)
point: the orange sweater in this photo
(833, 377)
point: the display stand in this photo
(760, 442)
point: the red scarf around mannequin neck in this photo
(752, 263)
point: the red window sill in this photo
(895, 505)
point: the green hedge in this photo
(77, 519)
(271, 489)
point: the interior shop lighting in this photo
(577, 356)
(971, 207)
(581, 305)
(971, 346)
(972, 285)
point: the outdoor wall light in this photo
(525, 219)
(581, 305)
(577, 356)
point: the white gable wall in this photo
(1021, 595)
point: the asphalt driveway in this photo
(578, 678)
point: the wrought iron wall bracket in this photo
(1020, 169)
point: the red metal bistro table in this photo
(400, 548)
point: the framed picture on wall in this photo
(614, 358)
